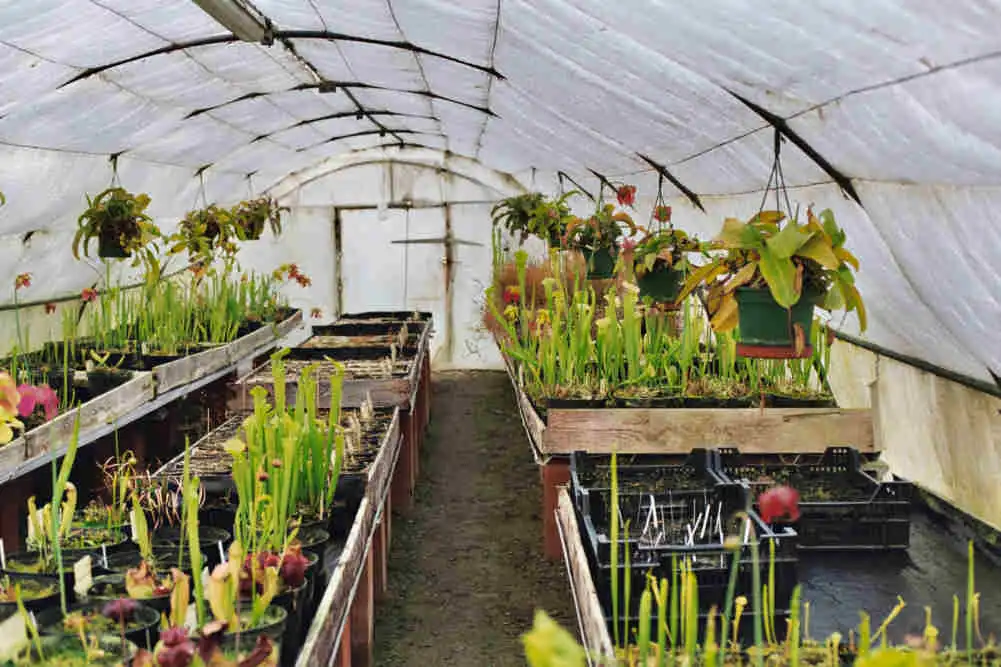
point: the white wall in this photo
(415, 197)
(942, 435)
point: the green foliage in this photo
(792, 260)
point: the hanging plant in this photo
(660, 260)
(250, 217)
(202, 232)
(597, 238)
(771, 277)
(117, 218)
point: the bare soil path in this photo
(466, 566)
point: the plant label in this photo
(132, 523)
(13, 636)
(83, 575)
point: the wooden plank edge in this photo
(590, 617)
(535, 428)
(101, 410)
(600, 430)
(325, 633)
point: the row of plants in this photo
(118, 220)
(572, 342)
(259, 585)
(94, 348)
(666, 620)
(767, 273)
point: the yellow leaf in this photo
(726, 317)
(819, 250)
(742, 277)
(846, 256)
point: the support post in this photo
(343, 657)
(402, 476)
(363, 617)
(554, 473)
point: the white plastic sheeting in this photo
(897, 95)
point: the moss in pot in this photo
(131, 620)
(37, 593)
(67, 651)
(138, 584)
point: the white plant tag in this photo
(132, 524)
(13, 636)
(82, 572)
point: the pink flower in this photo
(32, 396)
(88, 294)
(628, 245)
(22, 280)
(780, 502)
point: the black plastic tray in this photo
(867, 515)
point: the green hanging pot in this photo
(767, 330)
(601, 262)
(662, 283)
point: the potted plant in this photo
(534, 214)
(250, 217)
(203, 231)
(118, 219)
(771, 277)
(659, 258)
(597, 238)
(516, 214)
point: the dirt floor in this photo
(466, 566)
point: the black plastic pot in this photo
(271, 626)
(160, 604)
(208, 536)
(109, 245)
(144, 632)
(36, 604)
(166, 558)
(100, 381)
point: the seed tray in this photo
(590, 476)
(841, 506)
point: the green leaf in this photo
(831, 227)
(780, 274)
(736, 234)
(789, 239)
(820, 251)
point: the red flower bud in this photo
(293, 569)
(779, 503)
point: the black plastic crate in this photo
(841, 506)
(590, 476)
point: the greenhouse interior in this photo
(500, 332)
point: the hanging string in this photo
(115, 183)
(777, 178)
(250, 185)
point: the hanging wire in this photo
(406, 258)
(250, 185)
(115, 183)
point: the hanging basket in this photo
(767, 330)
(601, 262)
(109, 245)
(662, 283)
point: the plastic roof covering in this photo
(900, 96)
